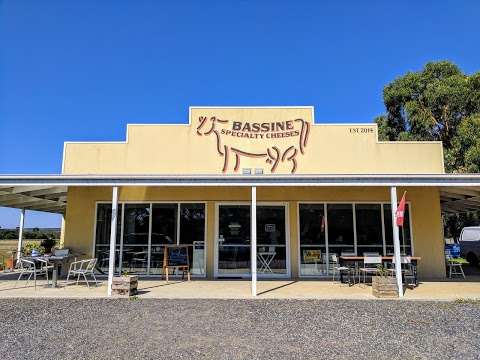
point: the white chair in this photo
(370, 264)
(30, 267)
(454, 268)
(408, 269)
(337, 269)
(82, 268)
(265, 257)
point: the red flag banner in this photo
(400, 214)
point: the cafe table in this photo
(56, 261)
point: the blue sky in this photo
(82, 70)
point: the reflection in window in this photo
(313, 258)
(192, 232)
(164, 232)
(102, 236)
(340, 228)
(404, 231)
(136, 254)
(369, 228)
(135, 238)
(271, 240)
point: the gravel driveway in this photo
(237, 329)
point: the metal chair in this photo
(83, 268)
(370, 264)
(139, 258)
(265, 258)
(30, 267)
(408, 268)
(454, 268)
(338, 269)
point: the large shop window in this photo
(346, 228)
(368, 220)
(102, 236)
(340, 228)
(145, 229)
(404, 232)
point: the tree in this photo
(439, 103)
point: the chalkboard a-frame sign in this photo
(176, 257)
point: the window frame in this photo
(353, 204)
(151, 203)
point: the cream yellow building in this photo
(247, 192)
(298, 227)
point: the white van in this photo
(469, 242)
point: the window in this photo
(368, 220)
(340, 228)
(312, 239)
(141, 250)
(192, 232)
(102, 235)
(404, 232)
(135, 238)
(321, 236)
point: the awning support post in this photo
(113, 238)
(253, 242)
(396, 241)
(20, 233)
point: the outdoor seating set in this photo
(42, 265)
(361, 268)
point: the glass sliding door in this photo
(313, 249)
(233, 240)
(271, 240)
(234, 243)
(135, 238)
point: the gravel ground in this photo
(237, 329)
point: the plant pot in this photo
(125, 285)
(384, 287)
(9, 263)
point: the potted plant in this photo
(125, 285)
(33, 248)
(383, 285)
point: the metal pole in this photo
(113, 238)
(396, 241)
(253, 242)
(20, 233)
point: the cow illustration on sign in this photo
(274, 155)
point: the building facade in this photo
(299, 227)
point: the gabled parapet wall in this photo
(280, 140)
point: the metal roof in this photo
(41, 198)
(459, 192)
(244, 180)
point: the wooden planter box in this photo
(384, 286)
(125, 286)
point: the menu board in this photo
(176, 256)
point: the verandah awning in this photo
(459, 192)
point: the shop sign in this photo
(311, 256)
(281, 141)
